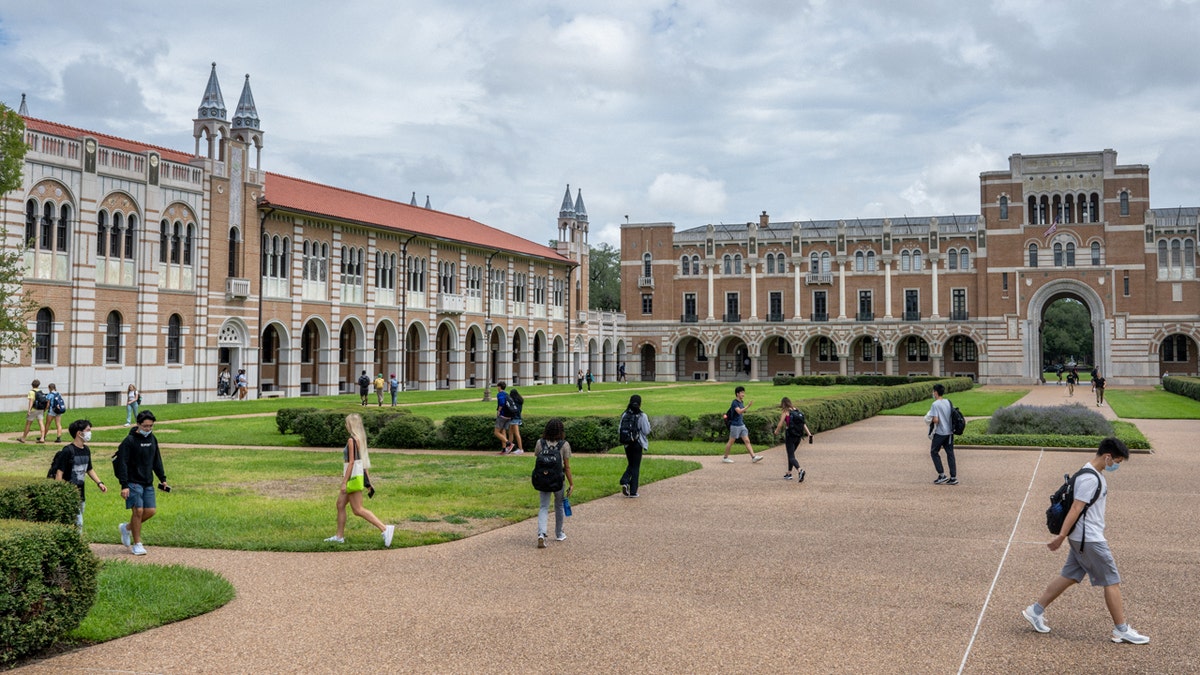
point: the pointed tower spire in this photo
(427, 202)
(246, 115)
(414, 199)
(567, 210)
(212, 106)
(23, 110)
(580, 209)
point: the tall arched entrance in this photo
(648, 359)
(1040, 301)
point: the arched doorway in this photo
(495, 353)
(348, 367)
(822, 356)
(733, 361)
(383, 350)
(913, 355)
(648, 359)
(311, 350)
(475, 360)
(777, 357)
(539, 348)
(866, 356)
(445, 355)
(1040, 301)
(961, 358)
(270, 370)
(414, 348)
(518, 361)
(1177, 356)
(1067, 335)
(691, 360)
(559, 359)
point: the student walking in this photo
(355, 464)
(394, 386)
(502, 419)
(364, 387)
(1088, 552)
(1098, 385)
(133, 400)
(55, 407)
(792, 420)
(579, 381)
(737, 425)
(621, 373)
(35, 411)
(589, 379)
(941, 436)
(1072, 378)
(136, 463)
(515, 407)
(635, 447)
(243, 385)
(552, 465)
(74, 463)
(379, 384)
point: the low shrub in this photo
(285, 417)
(1072, 420)
(375, 422)
(406, 431)
(321, 428)
(590, 434)
(39, 500)
(977, 434)
(1184, 386)
(672, 428)
(469, 432)
(860, 380)
(49, 578)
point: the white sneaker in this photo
(518, 451)
(1038, 621)
(561, 537)
(336, 539)
(541, 541)
(1131, 636)
(138, 549)
(728, 460)
(125, 538)
(757, 458)
(387, 535)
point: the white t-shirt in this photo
(1093, 518)
(942, 410)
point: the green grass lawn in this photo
(1145, 404)
(979, 402)
(283, 500)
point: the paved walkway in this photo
(864, 567)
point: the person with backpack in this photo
(502, 419)
(792, 420)
(364, 387)
(74, 462)
(55, 407)
(635, 436)
(394, 387)
(379, 384)
(355, 465)
(1093, 558)
(942, 435)
(552, 464)
(589, 379)
(35, 411)
(737, 425)
(1072, 378)
(135, 464)
(515, 404)
(1098, 383)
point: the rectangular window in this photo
(868, 349)
(912, 304)
(732, 307)
(825, 350)
(820, 306)
(689, 306)
(864, 306)
(647, 303)
(775, 306)
(958, 304)
(1004, 281)
(1126, 279)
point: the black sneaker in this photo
(625, 489)
(800, 476)
(941, 479)
(952, 481)
(787, 476)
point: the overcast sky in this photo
(692, 112)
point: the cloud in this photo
(688, 194)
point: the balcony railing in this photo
(688, 318)
(237, 288)
(865, 316)
(775, 317)
(959, 315)
(451, 303)
(733, 318)
(820, 316)
(912, 316)
(820, 278)
(645, 282)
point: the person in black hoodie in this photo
(136, 463)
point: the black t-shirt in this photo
(1099, 382)
(75, 463)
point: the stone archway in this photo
(1036, 311)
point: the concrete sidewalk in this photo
(864, 567)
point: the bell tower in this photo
(573, 244)
(210, 119)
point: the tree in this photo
(604, 286)
(15, 307)
(1067, 332)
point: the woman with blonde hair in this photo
(355, 464)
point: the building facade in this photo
(944, 295)
(160, 268)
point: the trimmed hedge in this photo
(860, 380)
(39, 500)
(976, 434)
(1071, 420)
(50, 582)
(1184, 386)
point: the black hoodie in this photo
(138, 460)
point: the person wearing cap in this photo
(379, 382)
(394, 386)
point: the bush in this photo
(469, 432)
(375, 422)
(976, 434)
(1184, 386)
(286, 417)
(672, 428)
(590, 434)
(39, 500)
(1072, 420)
(49, 578)
(859, 380)
(322, 428)
(407, 431)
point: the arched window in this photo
(952, 260)
(1163, 260)
(235, 239)
(770, 263)
(964, 259)
(737, 263)
(1095, 253)
(114, 235)
(860, 262)
(1124, 203)
(918, 262)
(130, 237)
(1003, 208)
(695, 264)
(728, 259)
(1189, 259)
(905, 261)
(31, 219)
(112, 338)
(685, 265)
(814, 263)
(46, 229)
(42, 334)
(647, 264)
(174, 338)
(825, 268)
(871, 261)
(102, 233)
(1176, 257)
(1033, 255)
(188, 242)
(1058, 254)
(163, 233)
(285, 254)
(1070, 254)
(64, 225)
(176, 241)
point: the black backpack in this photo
(39, 400)
(795, 424)
(1061, 500)
(630, 430)
(548, 467)
(958, 423)
(729, 416)
(511, 409)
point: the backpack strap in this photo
(1083, 531)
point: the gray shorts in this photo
(736, 431)
(1096, 561)
(501, 422)
(33, 415)
(140, 497)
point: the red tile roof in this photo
(285, 192)
(294, 194)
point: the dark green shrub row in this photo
(860, 380)
(286, 417)
(1069, 420)
(1184, 386)
(49, 578)
(977, 434)
(39, 500)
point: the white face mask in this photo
(87, 436)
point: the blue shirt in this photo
(735, 417)
(501, 399)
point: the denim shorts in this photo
(1096, 561)
(140, 497)
(502, 423)
(736, 431)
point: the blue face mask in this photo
(1112, 467)
(145, 432)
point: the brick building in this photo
(160, 268)
(944, 295)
